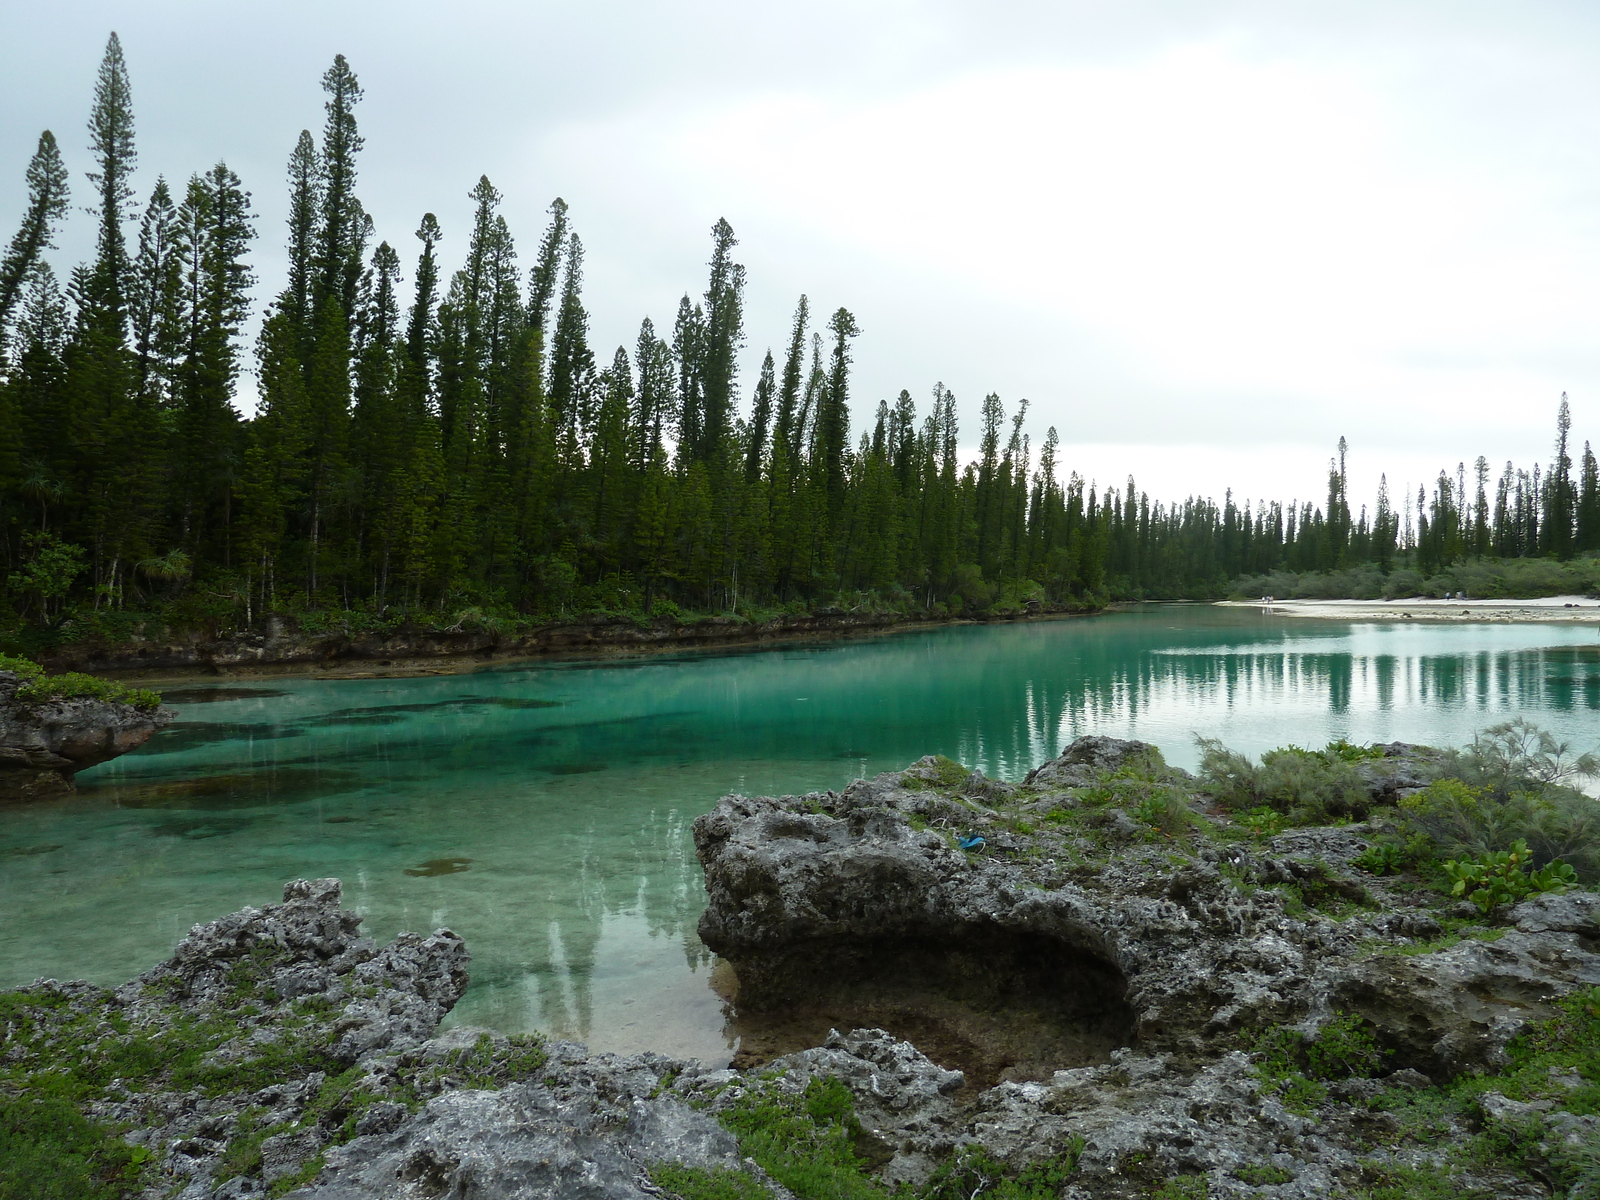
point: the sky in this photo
(1203, 240)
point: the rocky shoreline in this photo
(278, 646)
(1057, 988)
(42, 746)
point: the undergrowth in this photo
(38, 689)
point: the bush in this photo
(46, 689)
(1506, 876)
(1511, 786)
(1307, 786)
(26, 668)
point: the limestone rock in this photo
(41, 748)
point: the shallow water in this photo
(543, 812)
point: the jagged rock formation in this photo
(42, 747)
(1116, 997)
(1117, 977)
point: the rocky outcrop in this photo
(1163, 947)
(43, 746)
(1119, 976)
(1087, 976)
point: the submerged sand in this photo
(1544, 609)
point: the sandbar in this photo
(1544, 609)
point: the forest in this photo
(450, 447)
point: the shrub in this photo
(44, 689)
(1263, 822)
(1306, 786)
(1510, 787)
(26, 668)
(1506, 876)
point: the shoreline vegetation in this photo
(338, 650)
(459, 453)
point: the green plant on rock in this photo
(1506, 876)
(1344, 1048)
(972, 1171)
(1309, 787)
(38, 689)
(1382, 858)
(807, 1141)
(700, 1183)
(1263, 822)
(1491, 802)
(1183, 1187)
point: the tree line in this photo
(460, 445)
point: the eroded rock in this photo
(42, 747)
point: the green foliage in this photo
(487, 1066)
(972, 1171)
(1308, 787)
(25, 668)
(74, 685)
(50, 568)
(50, 1151)
(1183, 1187)
(945, 773)
(698, 1183)
(1506, 876)
(1511, 786)
(1344, 1048)
(1263, 822)
(285, 1184)
(1297, 1069)
(805, 1141)
(1381, 858)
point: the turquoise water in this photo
(543, 812)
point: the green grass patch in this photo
(698, 1183)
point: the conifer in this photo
(47, 203)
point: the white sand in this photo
(1548, 608)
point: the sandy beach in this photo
(1547, 608)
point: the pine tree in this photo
(571, 362)
(760, 419)
(336, 262)
(1588, 531)
(111, 142)
(419, 327)
(47, 203)
(305, 207)
(547, 269)
(1559, 494)
(155, 300)
(723, 334)
(213, 232)
(833, 418)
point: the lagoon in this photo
(543, 810)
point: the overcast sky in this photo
(1204, 240)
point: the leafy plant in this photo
(1506, 876)
(1263, 822)
(74, 685)
(1382, 858)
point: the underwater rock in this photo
(42, 747)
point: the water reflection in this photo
(544, 812)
